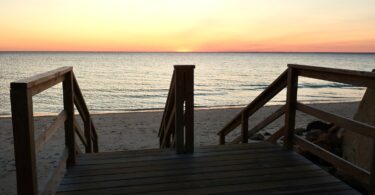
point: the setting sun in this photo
(184, 50)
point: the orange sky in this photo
(177, 25)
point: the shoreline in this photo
(146, 110)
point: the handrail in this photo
(164, 130)
(353, 77)
(271, 91)
(50, 130)
(268, 120)
(357, 78)
(358, 173)
(25, 146)
(89, 128)
(177, 124)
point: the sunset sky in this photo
(190, 25)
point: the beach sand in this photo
(137, 130)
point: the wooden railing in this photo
(177, 124)
(26, 146)
(356, 78)
(243, 117)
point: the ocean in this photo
(118, 82)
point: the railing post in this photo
(371, 186)
(184, 106)
(244, 127)
(68, 96)
(23, 135)
(222, 139)
(95, 142)
(371, 189)
(87, 132)
(290, 112)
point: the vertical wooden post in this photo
(222, 139)
(87, 132)
(68, 96)
(184, 106)
(290, 112)
(179, 103)
(95, 143)
(244, 127)
(189, 109)
(371, 188)
(23, 135)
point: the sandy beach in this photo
(137, 130)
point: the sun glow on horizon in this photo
(187, 26)
(183, 50)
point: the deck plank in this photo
(256, 168)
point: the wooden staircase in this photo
(260, 168)
(178, 167)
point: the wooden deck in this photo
(255, 168)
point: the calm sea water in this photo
(115, 82)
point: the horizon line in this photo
(74, 51)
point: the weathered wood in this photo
(168, 105)
(210, 160)
(50, 130)
(68, 97)
(169, 128)
(78, 150)
(80, 133)
(184, 106)
(138, 160)
(189, 109)
(229, 155)
(188, 167)
(179, 107)
(89, 128)
(23, 135)
(79, 98)
(357, 78)
(275, 136)
(204, 178)
(271, 91)
(278, 113)
(23, 127)
(95, 138)
(244, 128)
(290, 110)
(221, 139)
(348, 168)
(157, 152)
(55, 177)
(46, 85)
(371, 186)
(252, 170)
(87, 133)
(40, 82)
(228, 186)
(349, 124)
(80, 108)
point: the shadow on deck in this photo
(262, 168)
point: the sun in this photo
(183, 50)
